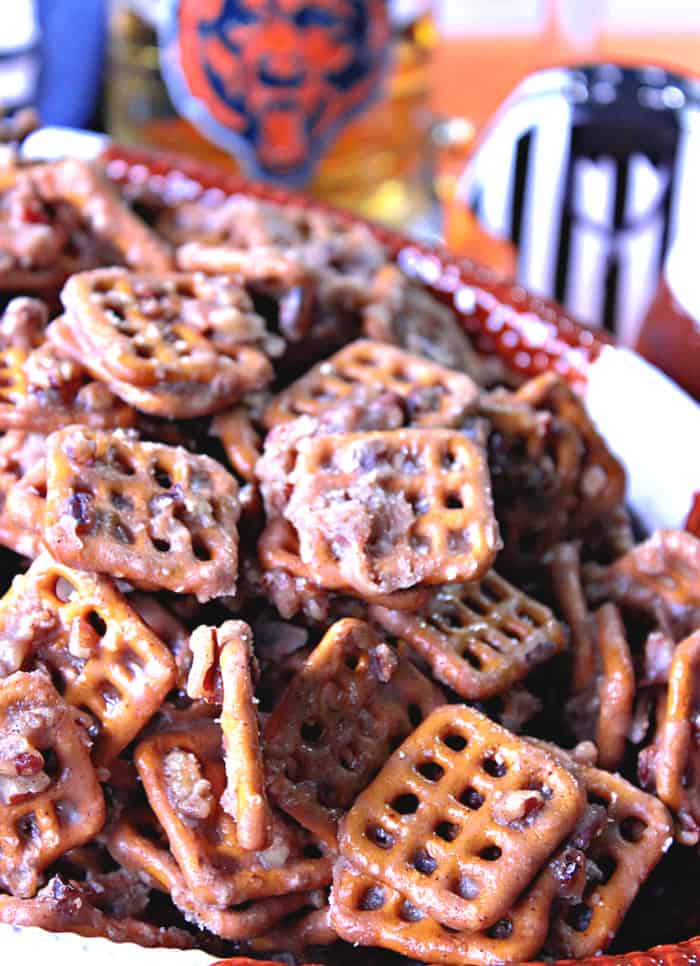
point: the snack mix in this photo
(316, 634)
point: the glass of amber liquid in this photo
(251, 54)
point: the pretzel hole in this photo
(96, 622)
(457, 541)
(52, 766)
(410, 913)
(490, 853)
(606, 866)
(594, 799)
(454, 502)
(447, 831)
(472, 658)
(311, 731)
(380, 837)
(143, 351)
(454, 741)
(451, 461)
(471, 798)
(352, 660)
(503, 929)
(119, 501)
(201, 550)
(64, 590)
(579, 917)
(311, 851)
(632, 828)
(162, 546)
(120, 532)
(431, 771)
(415, 715)
(494, 765)
(329, 797)
(161, 476)
(108, 693)
(423, 862)
(372, 899)
(27, 828)
(117, 460)
(406, 804)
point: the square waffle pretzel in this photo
(292, 583)
(351, 703)
(22, 509)
(50, 799)
(637, 833)
(435, 825)
(41, 391)
(137, 842)
(189, 340)
(670, 766)
(478, 638)
(434, 397)
(222, 666)
(370, 913)
(151, 514)
(103, 656)
(660, 577)
(63, 217)
(387, 511)
(184, 778)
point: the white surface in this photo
(34, 947)
(653, 427)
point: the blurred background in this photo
(552, 140)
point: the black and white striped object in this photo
(591, 172)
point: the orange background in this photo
(473, 74)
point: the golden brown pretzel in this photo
(478, 638)
(434, 397)
(352, 701)
(105, 658)
(387, 511)
(461, 818)
(184, 778)
(50, 799)
(155, 515)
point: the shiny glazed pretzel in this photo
(371, 913)
(351, 703)
(42, 391)
(461, 818)
(478, 638)
(292, 585)
(50, 799)
(95, 645)
(22, 470)
(184, 778)
(602, 711)
(637, 833)
(670, 766)
(135, 842)
(660, 577)
(64, 907)
(434, 397)
(389, 511)
(150, 329)
(226, 654)
(152, 514)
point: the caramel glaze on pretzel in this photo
(184, 778)
(351, 703)
(478, 638)
(155, 515)
(50, 799)
(99, 651)
(670, 765)
(387, 511)
(437, 823)
(249, 750)
(433, 396)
